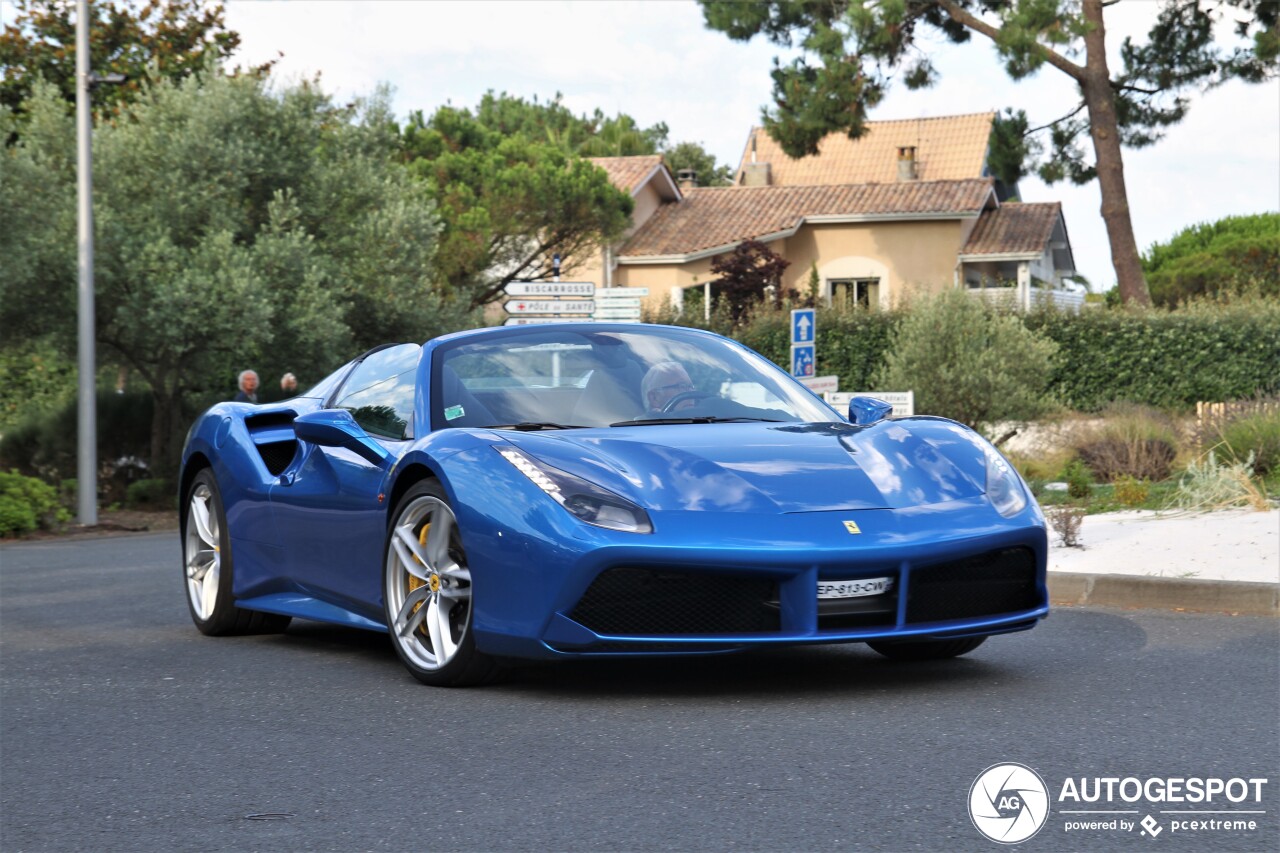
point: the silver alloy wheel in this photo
(428, 586)
(203, 552)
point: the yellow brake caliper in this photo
(414, 581)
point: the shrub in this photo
(1079, 480)
(969, 362)
(1209, 484)
(1066, 520)
(1257, 435)
(1131, 492)
(1133, 441)
(44, 443)
(1218, 256)
(26, 504)
(149, 493)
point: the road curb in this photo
(1245, 598)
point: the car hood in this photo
(755, 467)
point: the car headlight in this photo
(1004, 486)
(583, 499)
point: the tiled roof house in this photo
(910, 206)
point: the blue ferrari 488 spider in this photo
(581, 489)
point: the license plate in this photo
(854, 588)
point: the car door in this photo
(327, 504)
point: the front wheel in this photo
(427, 592)
(207, 567)
(926, 649)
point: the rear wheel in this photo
(207, 567)
(927, 649)
(427, 592)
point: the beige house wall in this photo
(594, 268)
(907, 257)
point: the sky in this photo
(656, 61)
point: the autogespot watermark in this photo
(1009, 803)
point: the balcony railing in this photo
(1014, 298)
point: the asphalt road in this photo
(122, 728)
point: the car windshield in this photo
(583, 376)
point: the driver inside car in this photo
(662, 383)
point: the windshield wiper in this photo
(704, 419)
(534, 426)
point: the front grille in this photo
(633, 601)
(849, 614)
(997, 582)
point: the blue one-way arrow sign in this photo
(804, 326)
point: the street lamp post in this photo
(87, 433)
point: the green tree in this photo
(595, 135)
(1233, 254)
(508, 203)
(691, 155)
(861, 45)
(236, 226)
(165, 38)
(969, 362)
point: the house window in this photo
(851, 292)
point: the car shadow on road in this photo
(1049, 651)
(793, 671)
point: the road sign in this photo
(821, 384)
(549, 306)
(802, 360)
(529, 321)
(550, 288)
(630, 302)
(804, 326)
(617, 314)
(903, 402)
(621, 292)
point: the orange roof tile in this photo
(1014, 229)
(628, 173)
(947, 148)
(712, 217)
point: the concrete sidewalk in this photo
(1225, 562)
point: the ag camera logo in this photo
(1008, 803)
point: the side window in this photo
(379, 394)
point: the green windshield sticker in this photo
(453, 413)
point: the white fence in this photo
(1012, 297)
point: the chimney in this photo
(687, 178)
(906, 163)
(756, 175)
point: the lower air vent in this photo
(986, 585)
(630, 601)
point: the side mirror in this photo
(336, 428)
(868, 410)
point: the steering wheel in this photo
(685, 395)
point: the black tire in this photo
(926, 649)
(207, 572)
(428, 610)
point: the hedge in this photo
(1170, 359)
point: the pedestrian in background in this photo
(248, 382)
(288, 385)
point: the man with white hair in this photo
(248, 382)
(664, 381)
